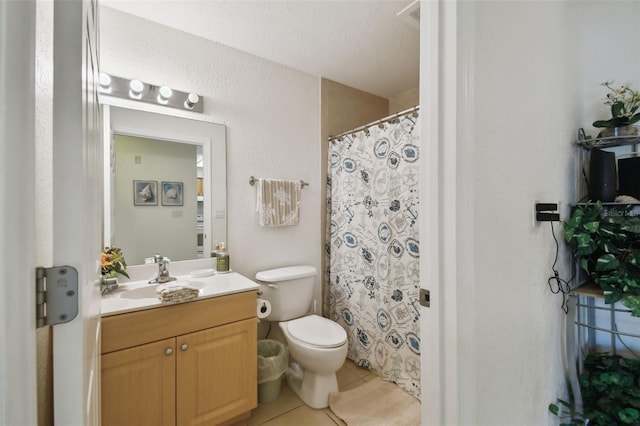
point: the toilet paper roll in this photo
(263, 309)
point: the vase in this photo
(610, 132)
(109, 282)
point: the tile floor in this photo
(289, 410)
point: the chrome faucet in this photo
(163, 270)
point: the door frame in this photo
(447, 227)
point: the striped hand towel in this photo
(278, 202)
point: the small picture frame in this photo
(172, 193)
(145, 193)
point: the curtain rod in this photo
(382, 120)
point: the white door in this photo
(77, 208)
(17, 183)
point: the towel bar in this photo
(253, 180)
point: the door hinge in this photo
(425, 297)
(56, 295)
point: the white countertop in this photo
(121, 300)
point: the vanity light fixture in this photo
(124, 88)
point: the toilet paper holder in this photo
(263, 308)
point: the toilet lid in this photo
(317, 331)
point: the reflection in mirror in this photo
(165, 172)
(165, 185)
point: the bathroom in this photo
(274, 127)
(276, 117)
(487, 373)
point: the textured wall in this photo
(272, 114)
(44, 173)
(526, 115)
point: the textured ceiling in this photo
(363, 44)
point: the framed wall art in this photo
(172, 193)
(145, 193)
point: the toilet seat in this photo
(317, 331)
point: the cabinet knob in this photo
(184, 347)
(168, 351)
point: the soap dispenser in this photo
(222, 261)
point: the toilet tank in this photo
(289, 290)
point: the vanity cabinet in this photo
(193, 363)
(138, 385)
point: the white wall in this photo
(533, 86)
(608, 51)
(272, 115)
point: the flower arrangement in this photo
(624, 103)
(112, 262)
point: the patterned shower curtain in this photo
(373, 246)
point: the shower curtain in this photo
(372, 281)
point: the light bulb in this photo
(105, 82)
(136, 87)
(164, 94)
(191, 101)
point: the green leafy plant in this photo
(610, 387)
(624, 103)
(607, 248)
(565, 412)
(112, 262)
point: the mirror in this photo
(165, 184)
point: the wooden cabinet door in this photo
(138, 385)
(217, 373)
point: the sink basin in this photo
(149, 291)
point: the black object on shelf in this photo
(603, 176)
(629, 176)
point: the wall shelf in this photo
(589, 289)
(611, 142)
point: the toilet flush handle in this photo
(268, 285)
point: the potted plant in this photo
(624, 103)
(610, 388)
(607, 248)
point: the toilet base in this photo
(312, 388)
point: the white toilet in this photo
(317, 345)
